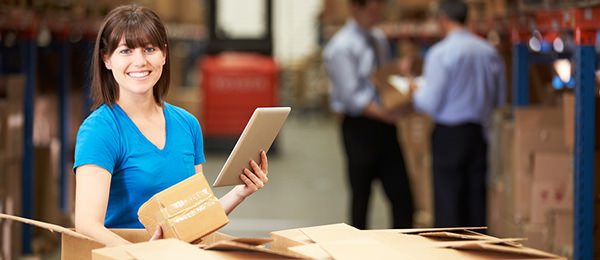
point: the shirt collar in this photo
(458, 32)
(355, 27)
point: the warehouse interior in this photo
(542, 180)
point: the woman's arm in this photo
(91, 199)
(253, 180)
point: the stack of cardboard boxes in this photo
(11, 153)
(531, 186)
(334, 241)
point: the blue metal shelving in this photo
(583, 244)
(520, 72)
(586, 22)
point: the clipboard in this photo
(259, 134)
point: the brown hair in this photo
(139, 26)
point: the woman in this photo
(134, 144)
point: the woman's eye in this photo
(150, 49)
(125, 51)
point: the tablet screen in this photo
(259, 134)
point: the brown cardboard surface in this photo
(547, 195)
(332, 232)
(415, 135)
(312, 251)
(501, 248)
(187, 211)
(11, 202)
(176, 249)
(552, 186)
(284, 239)
(536, 129)
(391, 98)
(361, 248)
(537, 236)
(495, 208)
(553, 165)
(431, 243)
(569, 119)
(80, 248)
(561, 229)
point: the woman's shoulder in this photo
(101, 118)
(179, 112)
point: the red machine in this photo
(233, 85)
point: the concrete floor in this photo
(307, 182)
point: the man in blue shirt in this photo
(464, 82)
(369, 131)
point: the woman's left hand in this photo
(254, 179)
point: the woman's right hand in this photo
(158, 234)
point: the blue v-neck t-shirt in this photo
(109, 139)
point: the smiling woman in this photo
(143, 30)
(134, 145)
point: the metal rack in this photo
(584, 23)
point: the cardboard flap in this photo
(253, 241)
(360, 248)
(312, 251)
(502, 247)
(454, 235)
(169, 248)
(333, 232)
(424, 230)
(232, 245)
(47, 226)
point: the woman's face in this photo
(136, 71)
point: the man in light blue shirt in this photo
(464, 82)
(368, 130)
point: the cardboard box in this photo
(537, 236)
(392, 97)
(552, 186)
(12, 91)
(569, 119)
(496, 212)
(536, 129)
(173, 248)
(76, 246)
(188, 210)
(561, 230)
(340, 241)
(285, 239)
(11, 203)
(415, 136)
(454, 243)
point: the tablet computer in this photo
(259, 134)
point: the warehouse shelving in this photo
(583, 22)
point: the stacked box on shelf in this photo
(501, 145)
(11, 152)
(537, 129)
(531, 185)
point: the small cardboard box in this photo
(392, 97)
(187, 210)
